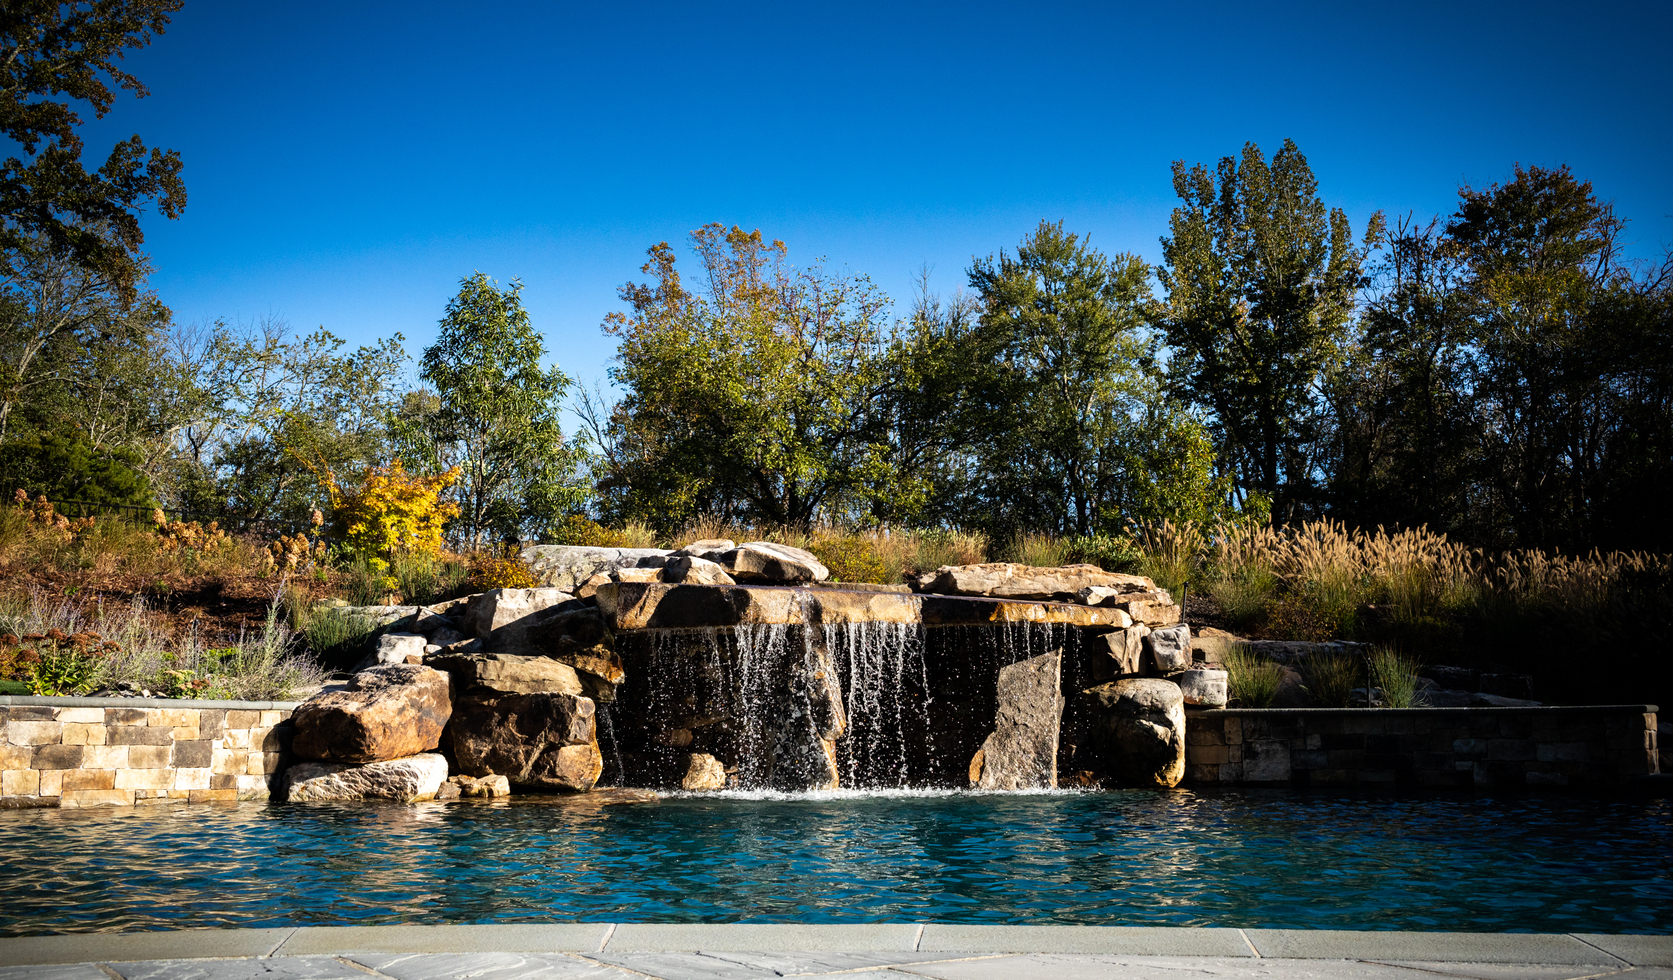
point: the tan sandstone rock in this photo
(416, 777)
(1125, 648)
(765, 562)
(499, 616)
(388, 712)
(483, 786)
(546, 741)
(1202, 688)
(505, 673)
(1022, 751)
(703, 772)
(1010, 580)
(696, 571)
(1140, 730)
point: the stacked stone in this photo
(83, 755)
(1432, 747)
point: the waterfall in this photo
(885, 685)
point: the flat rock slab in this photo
(662, 605)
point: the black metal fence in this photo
(265, 526)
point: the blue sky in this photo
(348, 163)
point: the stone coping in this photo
(655, 948)
(1647, 709)
(25, 700)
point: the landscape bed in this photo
(1452, 861)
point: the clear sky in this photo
(347, 163)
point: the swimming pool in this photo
(1186, 858)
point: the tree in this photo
(493, 412)
(1260, 282)
(760, 397)
(1063, 392)
(1407, 435)
(54, 55)
(1573, 360)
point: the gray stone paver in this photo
(1639, 950)
(571, 951)
(1454, 947)
(1096, 967)
(287, 968)
(685, 966)
(1511, 971)
(487, 966)
(66, 971)
(811, 964)
(646, 937)
(1129, 940)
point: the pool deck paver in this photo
(900, 951)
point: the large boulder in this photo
(387, 712)
(576, 634)
(707, 547)
(544, 741)
(1010, 580)
(692, 570)
(803, 723)
(1203, 688)
(566, 567)
(703, 772)
(416, 777)
(1022, 751)
(1119, 653)
(489, 674)
(501, 617)
(1140, 731)
(768, 563)
(1168, 648)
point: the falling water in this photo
(609, 731)
(876, 664)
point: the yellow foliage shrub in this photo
(507, 572)
(395, 512)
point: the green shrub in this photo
(1331, 679)
(1396, 675)
(1251, 680)
(579, 531)
(1245, 596)
(852, 558)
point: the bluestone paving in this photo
(1132, 940)
(108, 947)
(758, 938)
(1639, 950)
(1461, 947)
(524, 938)
(287, 968)
(68, 971)
(488, 966)
(599, 951)
(1509, 971)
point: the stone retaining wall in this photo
(77, 752)
(1436, 747)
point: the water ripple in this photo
(1252, 859)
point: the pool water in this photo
(1253, 859)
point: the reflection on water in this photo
(1544, 864)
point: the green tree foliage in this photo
(66, 468)
(1069, 427)
(1407, 444)
(493, 411)
(1573, 349)
(55, 56)
(760, 397)
(1261, 281)
(265, 418)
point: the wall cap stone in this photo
(43, 702)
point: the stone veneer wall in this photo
(79, 752)
(1438, 747)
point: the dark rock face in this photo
(1022, 751)
(1140, 731)
(388, 712)
(545, 741)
